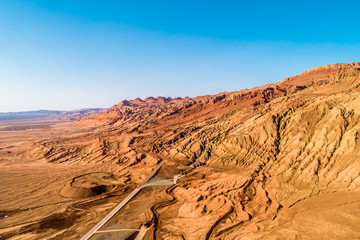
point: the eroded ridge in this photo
(256, 163)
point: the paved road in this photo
(111, 214)
(122, 204)
(158, 182)
(141, 234)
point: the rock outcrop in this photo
(254, 160)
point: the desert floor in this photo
(36, 201)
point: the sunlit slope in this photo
(253, 159)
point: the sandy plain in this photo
(37, 201)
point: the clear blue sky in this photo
(69, 54)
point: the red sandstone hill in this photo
(211, 105)
(280, 161)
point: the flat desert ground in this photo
(36, 200)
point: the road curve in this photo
(120, 205)
(111, 214)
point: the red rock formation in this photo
(274, 162)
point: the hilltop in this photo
(281, 161)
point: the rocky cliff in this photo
(280, 161)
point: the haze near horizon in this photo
(63, 55)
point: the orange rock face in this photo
(280, 161)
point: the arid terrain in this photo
(281, 161)
(48, 114)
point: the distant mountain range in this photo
(68, 115)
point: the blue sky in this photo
(62, 54)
